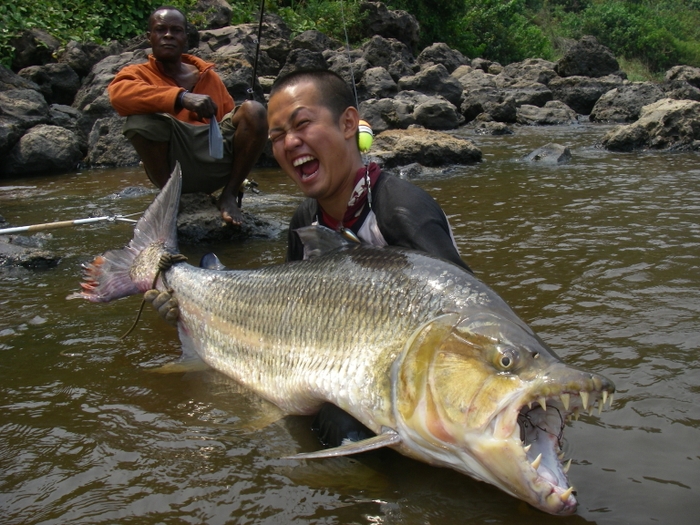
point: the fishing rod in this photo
(251, 89)
(63, 224)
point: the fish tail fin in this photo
(119, 273)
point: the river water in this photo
(600, 256)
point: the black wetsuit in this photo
(402, 214)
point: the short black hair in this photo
(166, 8)
(336, 95)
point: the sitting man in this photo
(168, 102)
(313, 122)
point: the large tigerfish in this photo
(419, 350)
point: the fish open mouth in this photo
(540, 431)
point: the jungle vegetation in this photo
(647, 36)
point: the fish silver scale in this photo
(322, 330)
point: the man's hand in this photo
(202, 105)
(165, 304)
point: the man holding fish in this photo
(174, 104)
(313, 126)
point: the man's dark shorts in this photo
(189, 145)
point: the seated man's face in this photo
(167, 34)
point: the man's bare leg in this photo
(248, 143)
(154, 156)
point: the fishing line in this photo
(251, 94)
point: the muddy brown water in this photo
(601, 257)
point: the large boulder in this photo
(385, 52)
(34, 47)
(553, 113)
(107, 146)
(216, 13)
(688, 73)
(666, 124)
(43, 148)
(581, 93)
(82, 56)
(398, 24)
(587, 58)
(58, 82)
(441, 53)
(427, 147)
(434, 80)
(624, 103)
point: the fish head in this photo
(479, 392)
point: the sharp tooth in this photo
(605, 396)
(529, 405)
(611, 399)
(561, 455)
(543, 403)
(527, 448)
(567, 467)
(565, 400)
(576, 414)
(600, 408)
(535, 464)
(565, 495)
(584, 400)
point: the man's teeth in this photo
(302, 160)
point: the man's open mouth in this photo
(306, 166)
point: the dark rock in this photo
(440, 53)
(383, 52)
(400, 25)
(44, 148)
(216, 13)
(553, 113)
(528, 92)
(11, 80)
(348, 65)
(58, 82)
(313, 40)
(680, 90)
(624, 103)
(377, 83)
(532, 69)
(587, 58)
(34, 47)
(81, 57)
(666, 124)
(387, 113)
(437, 113)
(13, 253)
(550, 154)
(491, 128)
(688, 73)
(303, 59)
(434, 80)
(581, 93)
(107, 146)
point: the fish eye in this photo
(506, 360)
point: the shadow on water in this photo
(600, 256)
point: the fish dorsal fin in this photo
(385, 439)
(319, 240)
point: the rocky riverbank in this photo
(55, 114)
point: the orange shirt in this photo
(142, 88)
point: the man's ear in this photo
(349, 121)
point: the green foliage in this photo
(651, 34)
(658, 33)
(79, 20)
(501, 31)
(331, 18)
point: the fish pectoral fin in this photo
(182, 366)
(385, 439)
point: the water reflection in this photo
(599, 256)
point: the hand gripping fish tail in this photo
(134, 269)
(417, 349)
